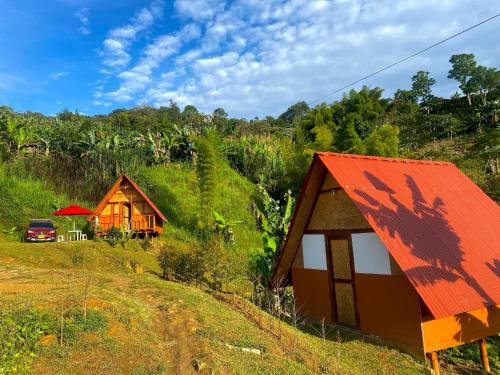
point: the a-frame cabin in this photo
(127, 207)
(406, 250)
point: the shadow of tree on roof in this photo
(422, 226)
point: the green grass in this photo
(23, 199)
(284, 349)
(140, 324)
(174, 189)
(77, 255)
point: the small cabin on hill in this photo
(127, 207)
(405, 250)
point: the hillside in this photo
(140, 324)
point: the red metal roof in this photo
(440, 228)
(72, 210)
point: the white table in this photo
(74, 235)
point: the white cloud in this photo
(56, 75)
(115, 46)
(256, 57)
(7, 80)
(139, 77)
(83, 15)
(199, 9)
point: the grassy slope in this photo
(174, 190)
(154, 326)
(24, 199)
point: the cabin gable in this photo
(127, 207)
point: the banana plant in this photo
(224, 227)
(274, 220)
(17, 135)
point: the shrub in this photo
(114, 235)
(183, 264)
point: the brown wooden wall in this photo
(460, 329)
(388, 307)
(312, 293)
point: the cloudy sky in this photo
(251, 57)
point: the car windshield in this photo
(41, 224)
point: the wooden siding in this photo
(388, 307)
(312, 296)
(461, 329)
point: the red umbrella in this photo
(73, 210)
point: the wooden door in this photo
(341, 263)
(115, 215)
(127, 215)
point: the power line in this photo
(403, 60)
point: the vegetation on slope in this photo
(139, 324)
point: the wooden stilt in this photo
(484, 355)
(435, 362)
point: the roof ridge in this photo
(383, 158)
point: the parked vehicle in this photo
(40, 230)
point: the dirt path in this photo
(176, 325)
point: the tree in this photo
(294, 112)
(220, 113)
(485, 79)
(273, 219)
(348, 140)
(363, 108)
(383, 141)
(463, 67)
(405, 96)
(323, 138)
(190, 109)
(422, 84)
(206, 172)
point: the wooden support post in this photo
(484, 355)
(435, 362)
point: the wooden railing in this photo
(138, 223)
(143, 222)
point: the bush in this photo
(469, 354)
(114, 235)
(20, 332)
(183, 264)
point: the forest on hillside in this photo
(82, 155)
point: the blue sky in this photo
(253, 58)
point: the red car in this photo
(40, 230)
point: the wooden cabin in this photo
(405, 250)
(127, 207)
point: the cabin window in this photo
(313, 250)
(370, 254)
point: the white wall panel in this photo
(313, 248)
(370, 254)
